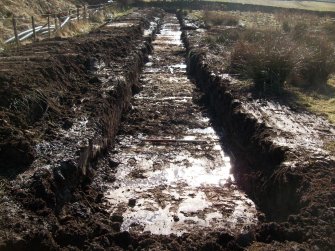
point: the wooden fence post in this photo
(85, 12)
(15, 31)
(78, 13)
(34, 29)
(49, 31)
(56, 23)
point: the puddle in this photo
(152, 27)
(120, 24)
(172, 174)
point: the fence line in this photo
(81, 12)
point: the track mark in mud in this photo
(295, 130)
(172, 175)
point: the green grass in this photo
(320, 101)
(330, 146)
(305, 5)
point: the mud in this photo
(61, 107)
(65, 198)
(178, 176)
(284, 164)
(172, 174)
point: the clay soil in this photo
(62, 101)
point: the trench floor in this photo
(171, 172)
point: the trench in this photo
(170, 172)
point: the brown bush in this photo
(271, 58)
(286, 26)
(227, 37)
(268, 62)
(219, 18)
(300, 30)
(329, 28)
(315, 62)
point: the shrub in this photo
(315, 62)
(286, 26)
(329, 28)
(97, 17)
(219, 18)
(267, 62)
(300, 30)
(227, 37)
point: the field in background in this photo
(306, 5)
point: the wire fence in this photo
(54, 21)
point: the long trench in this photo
(172, 175)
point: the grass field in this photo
(306, 5)
(321, 102)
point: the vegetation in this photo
(94, 21)
(283, 51)
(219, 18)
(272, 55)
(24, 9)
(268, 62)
(305, 5)
(275, 58)
(320, 101)
(71, 29)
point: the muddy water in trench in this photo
(172, 175)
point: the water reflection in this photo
(177, 182)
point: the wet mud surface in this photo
(172, 175)
(66, 196)
(285, 166)
(166, 182)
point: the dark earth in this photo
(63, 154)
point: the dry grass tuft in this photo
(97, 17)
(227, 37)
(74, 29)
(212, 18)
(267, 60)
(315, 62)
(272, 58)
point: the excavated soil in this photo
(284, 164)
(61, 105)
(198, 162)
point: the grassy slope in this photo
(29, 7)
(307, 5)
(25, 9)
